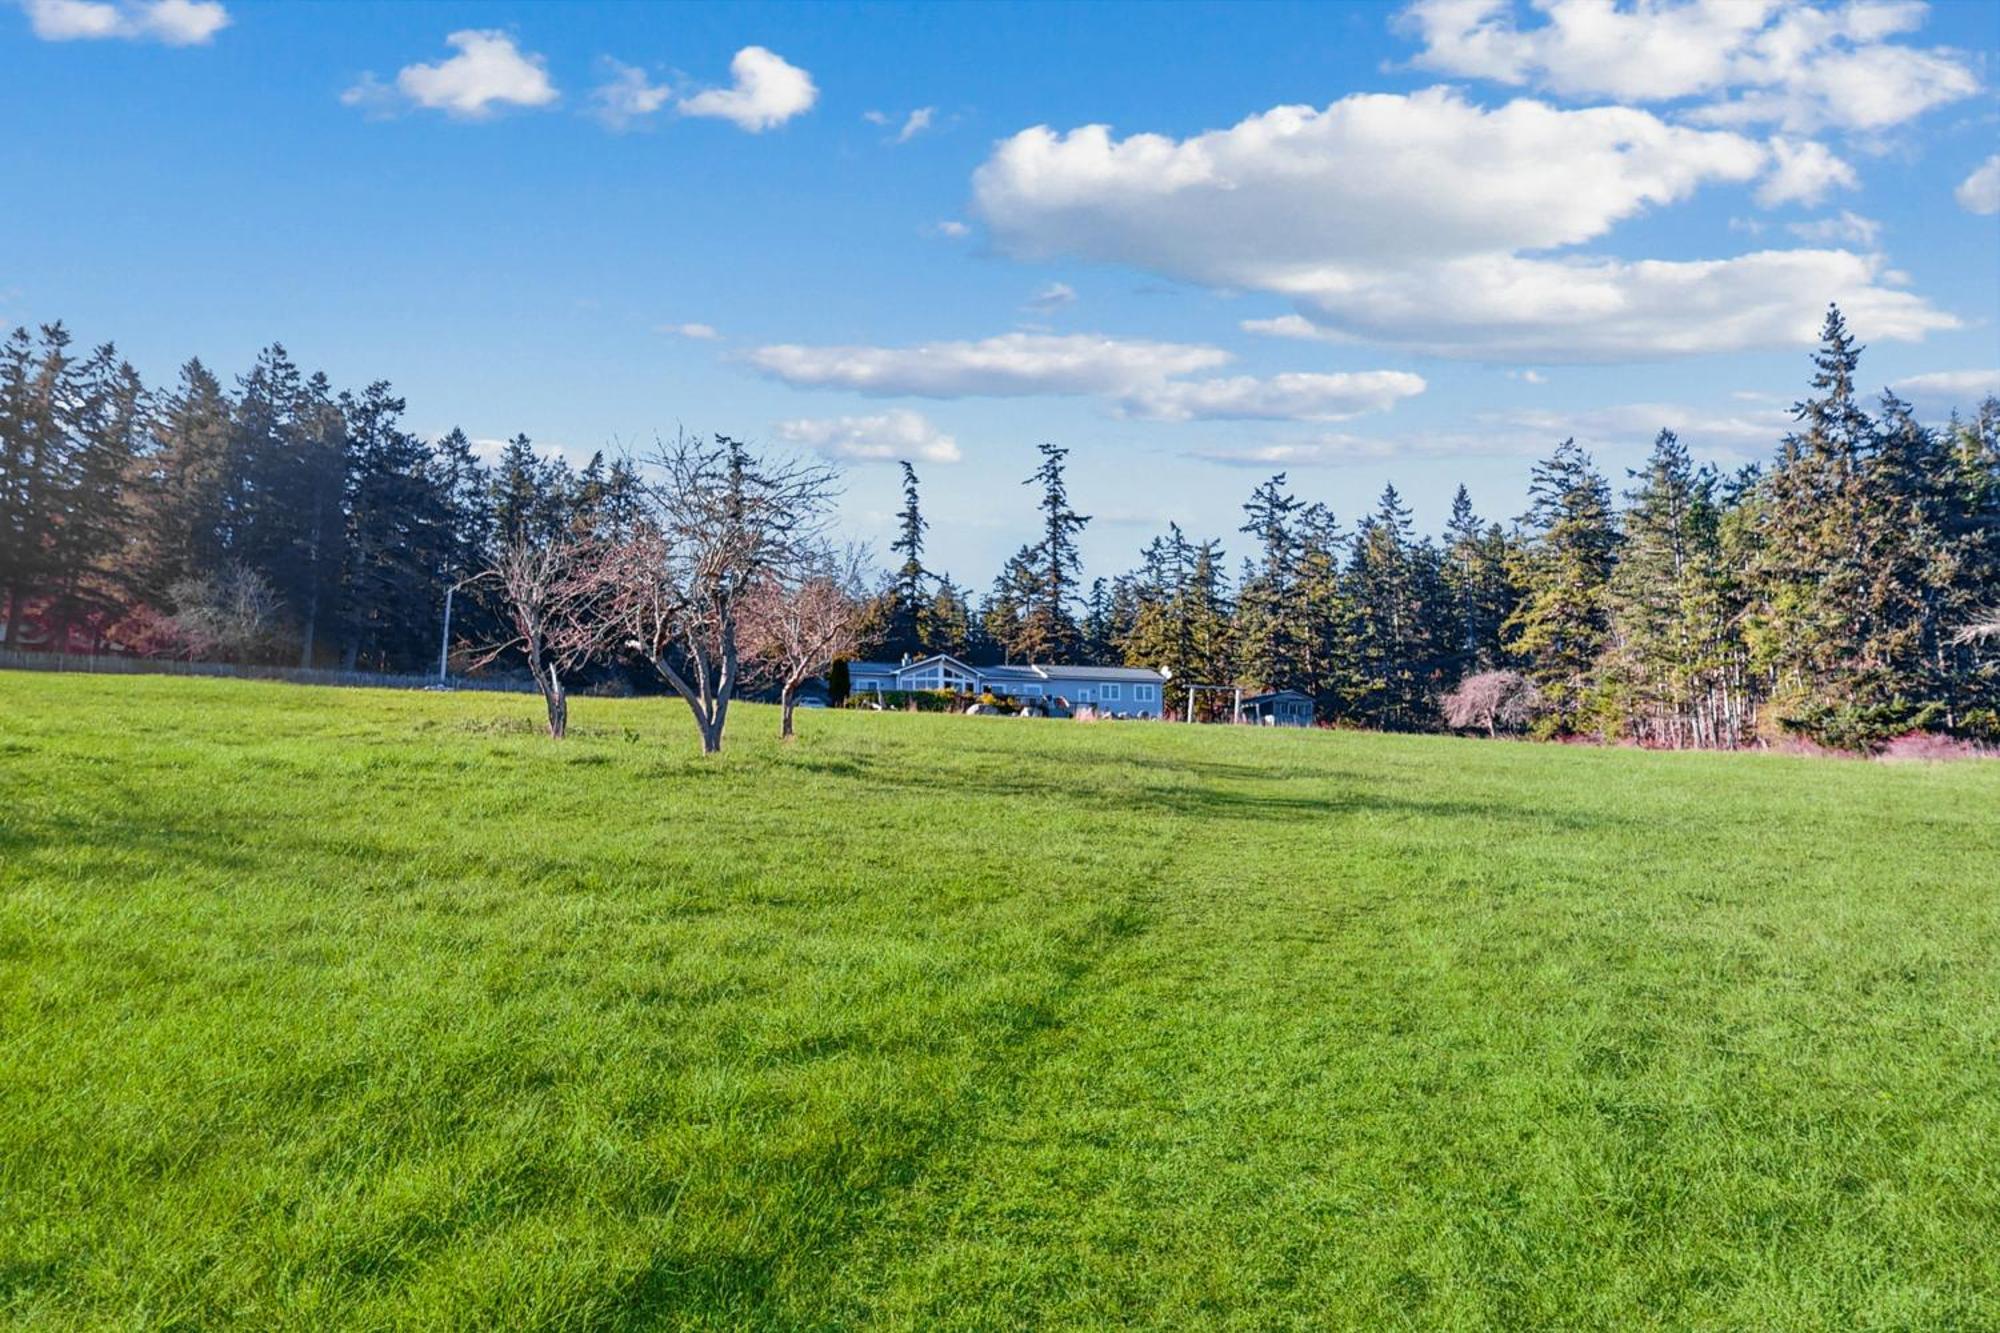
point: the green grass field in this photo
(364, 1009)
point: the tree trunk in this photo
(557, 699)
(311, 624)
(788, 698)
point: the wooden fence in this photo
(156, 666)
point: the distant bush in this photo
(1492, 701)
(1931, 745)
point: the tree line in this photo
(1845, 592)
(1837, 592)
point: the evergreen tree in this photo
(1475, 575)
(946, 622)
(1563, 570)
(1325, 612)
(532, 496)
(398, 539)
(1675, 661)
(180, 487)
(42, 397)
(1394, 592)
(1268, 631)
(1048, 631)
(1806, 628)
(313, 585)
(907, 594)
(90, 549)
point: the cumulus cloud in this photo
(1289, 197)
(1942, 390)
(1402, 219)
(1291, 397)
(627, 96)
(489, 71)
(1802, 172)
(1980, 192)
(767, 91)
(896, 434)
(1609, 310)
(1011, 365)
(1799, 65)
(169, 22)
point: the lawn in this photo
(369, 1009)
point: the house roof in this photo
(1271, 695)
(1016, 672)
(1146, 674)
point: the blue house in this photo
(1118, 691)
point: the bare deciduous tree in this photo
(549, 589)
(230, 616)
(1979, 631)
(719, 521)
(797, 621)
(1495, 700)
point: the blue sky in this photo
(1357, 243)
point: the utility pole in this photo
(444, 640)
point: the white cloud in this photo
(627, 96)
(1402, 220)
(488, 71)
(1846, 229)
(768, 91)
(1528, 376)
(896, 434)
(1289, 198)
(913, 124)
(170, 22)
(1942, 390)
(1980, 192)
(1800, 65)
(1011, 365)
(1291, 397)
(1609, 310)
(953, 228)
(701, 332)
(1052, 297)
(1290, 326)
(1134, 378)
(1625, 428)
(1802, 171)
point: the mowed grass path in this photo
(333, 1008)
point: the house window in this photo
(1110, 693)
(1032, 691)
(1144, 694)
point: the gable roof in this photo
(1087, 673)
(1270, 695)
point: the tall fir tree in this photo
(1048, 631)
(1806, 627)
(907, 590)
(1268, 634)
(1563, 569)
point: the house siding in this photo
(1129, 691)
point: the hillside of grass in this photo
(354, 1008)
